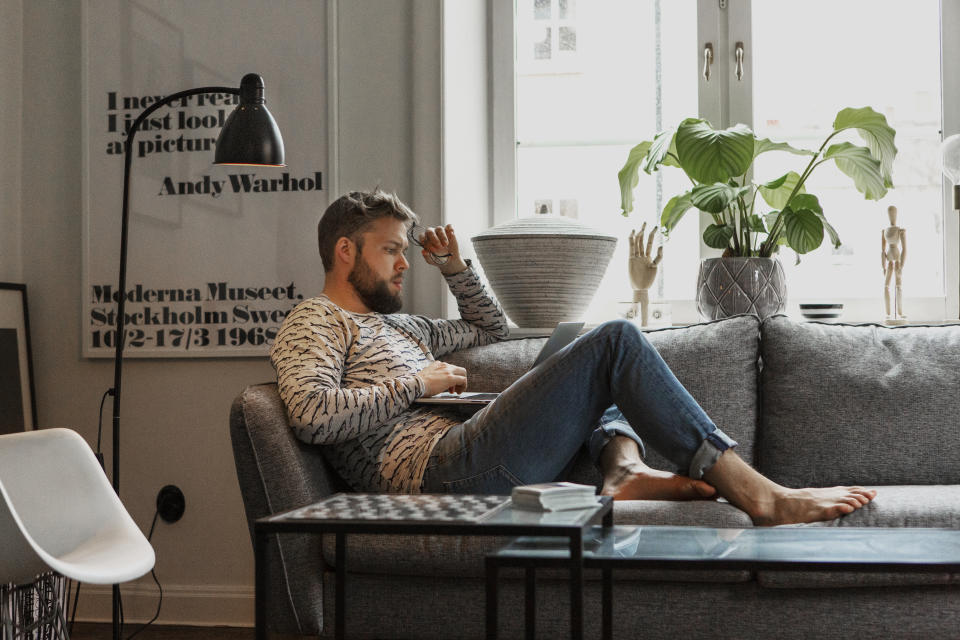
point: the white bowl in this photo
(823, 311)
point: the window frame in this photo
(724, 100)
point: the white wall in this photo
(175, 412)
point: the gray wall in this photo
(175, 412)
(11, 79)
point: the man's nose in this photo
(403, 264)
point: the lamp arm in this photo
(121, 315)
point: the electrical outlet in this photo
(170, 503)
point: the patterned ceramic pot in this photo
(544, 269)
(730, 286)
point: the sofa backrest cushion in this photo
(715, 361)
(864, 404)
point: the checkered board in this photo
(373, 506)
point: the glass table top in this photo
(802, 544)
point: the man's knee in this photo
(621, 329)
(620, 326)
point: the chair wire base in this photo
(35, 610)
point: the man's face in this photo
(377, 274)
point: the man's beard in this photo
(374, 292)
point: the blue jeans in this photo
(610, 381)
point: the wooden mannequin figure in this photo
(643, 271)
(893, 254)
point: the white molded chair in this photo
(60, 513)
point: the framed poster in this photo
(18, 406)
(217, 256)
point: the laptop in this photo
(564, 334)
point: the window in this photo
(592, 79)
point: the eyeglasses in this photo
(414, 235)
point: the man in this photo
(349, 369)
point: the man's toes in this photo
(703, 489)
(853, 502)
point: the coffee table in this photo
(447, 514)
(802, 548)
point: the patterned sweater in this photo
(348, 381)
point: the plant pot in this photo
(544, 269)
(731, 286)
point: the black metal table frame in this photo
(607, 565)
(264, 527)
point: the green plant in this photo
(718, 163)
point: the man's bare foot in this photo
(794, 506)
(640, 482)
(768, 503)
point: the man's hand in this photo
(440, 376)
(442, 241)
(643, 268)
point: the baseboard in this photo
(197, 605)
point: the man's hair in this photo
(350, 215)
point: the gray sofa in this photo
(811, 405)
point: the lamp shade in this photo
(250, 135)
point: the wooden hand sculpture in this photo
(643, 270)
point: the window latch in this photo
(707, 60)
(739, 57)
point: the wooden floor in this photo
(91, 631)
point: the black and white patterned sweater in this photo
(348, 381)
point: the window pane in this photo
(585, 101)
(879, 53)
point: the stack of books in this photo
(554, 496)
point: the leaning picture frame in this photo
(18, 406)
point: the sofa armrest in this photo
(276, 473)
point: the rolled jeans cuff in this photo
(709, 452)
(605, 432)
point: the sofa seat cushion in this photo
(462, 556)
(695, 513)
(865, 404)
(895, 506)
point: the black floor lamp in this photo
(249, 137)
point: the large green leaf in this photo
(806, 201)
(802, 229)
(834, 236)
(766, 144)
(879, 136)
(718, 236)
(809, 201)
(709, 155)
(755, 223)
(673, 211)
(776, 192)
(657, 155)
(859, 164)
(629, 176)
(714, 198)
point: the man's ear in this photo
(345, 251)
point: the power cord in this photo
(98, 452)
(154, 574)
